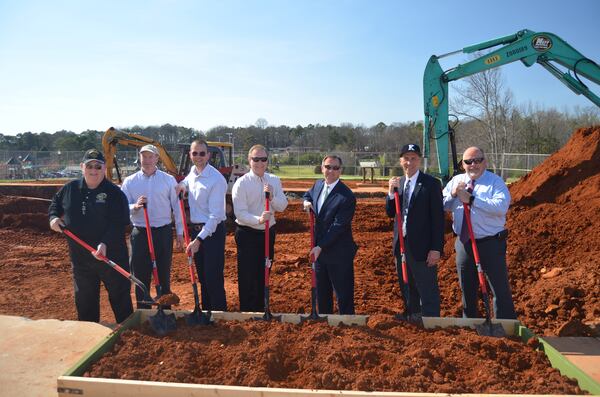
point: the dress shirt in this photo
(489, 207)
(249, 199)
(162, 201)
(206, 196)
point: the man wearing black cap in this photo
(96, 211)
(422, 220)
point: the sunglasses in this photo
(332, 167)
(94, 166)
(257, 159)
(477, 160)
(201, 154)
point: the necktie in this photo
(323, 197)
(464, 229)
(405, 202)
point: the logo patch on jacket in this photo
(101, 198)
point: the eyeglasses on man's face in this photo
(331, 167)
(257, 159)
(96, 166)
(476, 160)
(196, 154)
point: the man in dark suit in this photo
(334, 251)
(422, 219)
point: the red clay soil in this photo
(386, 355)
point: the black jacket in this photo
(94, 215)
(425, 219)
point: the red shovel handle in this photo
(399, 221)
(467, 208)
(267, 242)
(186, 237)
(151, 246)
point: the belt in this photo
(152, 227)
(196, 226)
(251, 229)
(498, 236)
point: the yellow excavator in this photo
(224, 163)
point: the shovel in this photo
(408, 316)
(314, 316)
(147, 299)
(267, 316)
(197, 317)
(161, 322)
(487, 328)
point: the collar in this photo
(253, 175)
(332, 185)
(413, 179)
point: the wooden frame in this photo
(72, 383)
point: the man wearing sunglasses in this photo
(422, 220)
(488, 198)
(96, 211)
(206, 189)
(334, 204)
(249, 197)
(154, 189)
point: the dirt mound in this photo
(24, 212)
(384, 356)
(554, 244)
(570, 173)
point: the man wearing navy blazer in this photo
(422, 216)
(334, 251)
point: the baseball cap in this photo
(93, 155)
(149, 148)
(411, 147)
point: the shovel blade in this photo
(487, 328)
(162, 323)
(268, 317)
(313, 317)
(197, 317)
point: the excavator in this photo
(231, 172)
(526, 46)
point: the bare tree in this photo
(484, 99)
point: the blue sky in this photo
(80, 65)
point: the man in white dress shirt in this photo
(207, 189)
(249, 206)
(156, 189)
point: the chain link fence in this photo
(287, 163)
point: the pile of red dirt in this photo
(554, 246)
(386, 355)
(24, 212)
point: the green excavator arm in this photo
(526, 46)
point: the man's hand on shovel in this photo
(193, 247)
(57, 225)
(314, 253)
(100, 253)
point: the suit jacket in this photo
(425, 219)
(333, 226)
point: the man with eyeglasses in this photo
(422, 220)
(334, 205)
(206, 189)
(154, 189)
(249, 198)
(488, 198)
(96, 211)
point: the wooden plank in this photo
(443, 322)
(95, 387)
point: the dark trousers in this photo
(251, 266)
(492, 254)
(210, 265)
(141, 263)
(335, 277)
(87, 275)
(424, 292)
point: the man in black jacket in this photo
(422, 220)
(97, 212)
